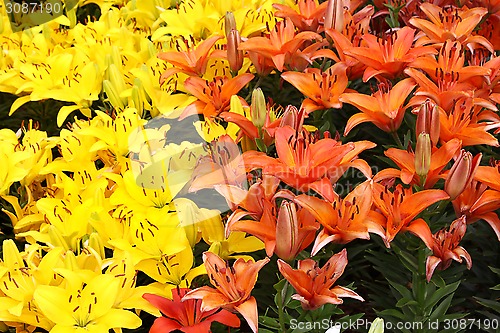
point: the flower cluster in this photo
(207, 142)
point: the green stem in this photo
(397, 139)
(281, 313)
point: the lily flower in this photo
(405, 160)
(343, 220)
(469, 123)
(314, 285)
(384, 108)
(84, 306)
(302, 162)
(477, 202)
(213, 96)
(398, 209)
(186, 316)
(389, 55)
(282, 43)
(445, 248)
(233, 286)
(451, 23)
(192, 62)
(322, 88)
(306, 17)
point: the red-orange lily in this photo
(322, 88)
(451, 23)
(285, 234)
(186, 316)
(385, 108)
(302, 162)
(477, 202)
(191, 62)
(388, 56)
(308, 16)
(281, 44)
(223, 166)
(233, 286)
(405, 160)
(445, 248)
(314, 285)
(469, 123)
(450, 63)
(343, 220)
(213, 96)
(398, 209)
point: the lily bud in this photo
(334, 18)
(287, 231)
(423, 153)
(229, 23)
(112, 94)
(461, 173)
(258, 108)
(234, 55)
(428, 121)
(56, 238)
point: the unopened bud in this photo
(258, 108)
(229, 23)
(428, 121)
(334, 18)
(234, 56)
(461, 174)
(423, 153)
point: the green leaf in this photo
(440, 311)
(439, 294)
(392, 313)
(489, 303)
(269, 322)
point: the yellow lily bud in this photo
(423, 153)
(11, 256)
(112, 95)
(96, 243)
(258, 108)
(114, 75)
(56, 238)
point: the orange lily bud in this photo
(428, 121)
(461, 173)
(423, 153)
(234, 56)
(334, 18)
(258, 108)
(287, 230)
(229, 23)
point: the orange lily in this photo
(445, 248)
(385, 108)
(308, 16)
(223, 166)
(281, 45)
(469, 123)
(213, 96)
(343, 220)
(233, 286)
(477, 202)
(405, 160)
(389, 55)
(191, 62)
(302, 162)
(355, 27)
(186, 316)
(490, 29)
(450, 63)
(398, 209)
(286, 234)
(314, 285)
(322, 89)
(451, 23)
